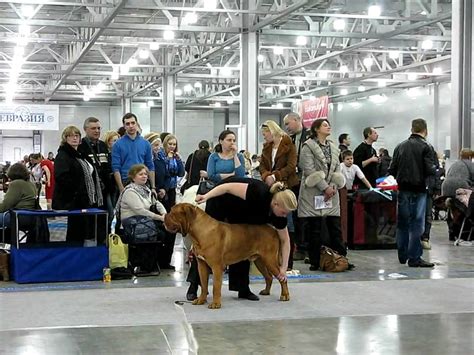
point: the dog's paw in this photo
(199, 301)
(214, 305)
(264, 293)
(284, 297)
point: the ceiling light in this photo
(437, 71)
(424, 13)
(115, 75)
(143, 53)
(24, 30)
(300, 41)
(19, 51)
(190, 18)
(27, 10)
(361, 88)
(21, 41)
(124, 69)
(168, 35)
(427, 44)
(394, 54)
(100, 87)
(217, 104)
(368, 62)
(374, 11)
(412, 76)
(339, 24)
(413, 92)
(260, 58)
(269, 90)
(378, 99)
(381, 83)
(188, 88)
(154, 46)
(277, 50)
(230, 101)
(150, 103)
(225, 71)
(86, 98)
(178, 92)
(323, 44)
(322, 74)
(298, 81)
(198, 85)
(279, 105)
(282, 86)
(132, 62)
(209, 4)
(343, 69)
(344, 92)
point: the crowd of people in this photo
(294, 184)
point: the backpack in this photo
(331, 261)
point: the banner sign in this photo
(29, 117)
(314, 108)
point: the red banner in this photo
(312, 109)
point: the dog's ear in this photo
(189, 215)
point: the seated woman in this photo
(21, 193)
(134, 204)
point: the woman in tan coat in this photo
(278, 161)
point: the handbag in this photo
(331, 261)
(205, 185)
(118, 252)
(140, 229)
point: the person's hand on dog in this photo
(282, 275)
(201, 198)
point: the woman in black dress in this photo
(248, 201)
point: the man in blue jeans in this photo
(411, 165)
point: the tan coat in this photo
(284, 168)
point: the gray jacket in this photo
(459, 175)
(314, 180)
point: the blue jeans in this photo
(410, 225)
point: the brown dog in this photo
(217, 244)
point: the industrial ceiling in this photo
(104, 50)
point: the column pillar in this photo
(249, 112)
(168, 106)
(436, 117)
(461, 76)
(126, 104)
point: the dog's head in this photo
(180, 218)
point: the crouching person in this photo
(142, 220)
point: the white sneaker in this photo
(426, 244)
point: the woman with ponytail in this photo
(249, 201)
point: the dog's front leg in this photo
(204, 277)
(216, 287)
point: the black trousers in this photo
(298, 238)
(313, 231)
(428, 217)
(168, 246)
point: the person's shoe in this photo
(191, 294)
(248, 295)
(313, 268)
(306, 260)
(425, 243)
(420, 263)
(351, 266)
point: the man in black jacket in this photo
(412, 165)
(298, 135)
(97, 152)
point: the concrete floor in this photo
(381, 307)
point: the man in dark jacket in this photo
(97, 152)
(412, 165)
(298, 135)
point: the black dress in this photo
(255, 209)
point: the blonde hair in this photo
(167, 139)
(109, 135)
(284, 197)
(465, 153)
(69, 131)
(274, 128)
(152, 137)
(135, 169)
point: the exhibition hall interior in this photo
(151, 147)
